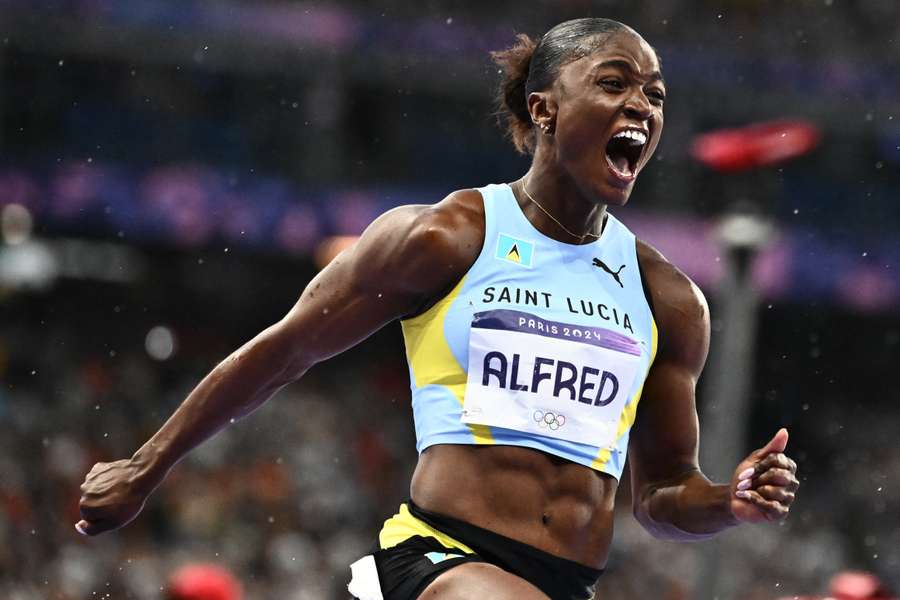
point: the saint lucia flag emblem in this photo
(514, 250)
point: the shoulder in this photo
(454, 226)
(679, 307)
(425, 249)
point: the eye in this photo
(657, 96)
(612, 84)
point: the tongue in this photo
(621, 164)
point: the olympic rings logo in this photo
(549, 419)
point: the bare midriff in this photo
(535, 498)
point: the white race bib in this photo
(548, 378)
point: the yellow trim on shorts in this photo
(629, 413)
(403, 526)
(430, 359)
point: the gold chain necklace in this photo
(544, 210)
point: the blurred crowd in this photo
(290, 496)
(286, 499)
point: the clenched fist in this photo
(112, 495)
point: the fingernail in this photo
(79, 529)
(747, 473)
(744, 484)
(744, 494)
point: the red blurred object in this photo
(758, 145)
(203, 582)
(857, 585)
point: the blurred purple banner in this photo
(194, 206)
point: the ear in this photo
(542, 108)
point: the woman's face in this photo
(609, 116)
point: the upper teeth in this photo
(639, 136)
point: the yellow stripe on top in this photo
(403, 526)
(629, 412)
(430, 358)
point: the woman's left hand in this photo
(764, 484)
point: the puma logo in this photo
(615, 274)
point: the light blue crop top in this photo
(541, 344)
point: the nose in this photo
(638, 107)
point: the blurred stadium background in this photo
(173, 173)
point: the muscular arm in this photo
(405, 259)
(672, 498)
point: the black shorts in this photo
(415, 546)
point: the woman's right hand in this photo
(407, 258)
(112, 495)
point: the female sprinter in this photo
(534, 324)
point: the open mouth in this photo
(623, 152)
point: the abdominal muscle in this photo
(552, 504)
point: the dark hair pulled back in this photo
(528, 66)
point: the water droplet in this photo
(449, 21)
(61, 63)
(34, 372)
(865, 253)
(231, 420)
(796, 211)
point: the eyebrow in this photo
(626, 66)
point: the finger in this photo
(777, 494)
(771, 509)
(775, 476)
(775, 461)
(777, 444)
